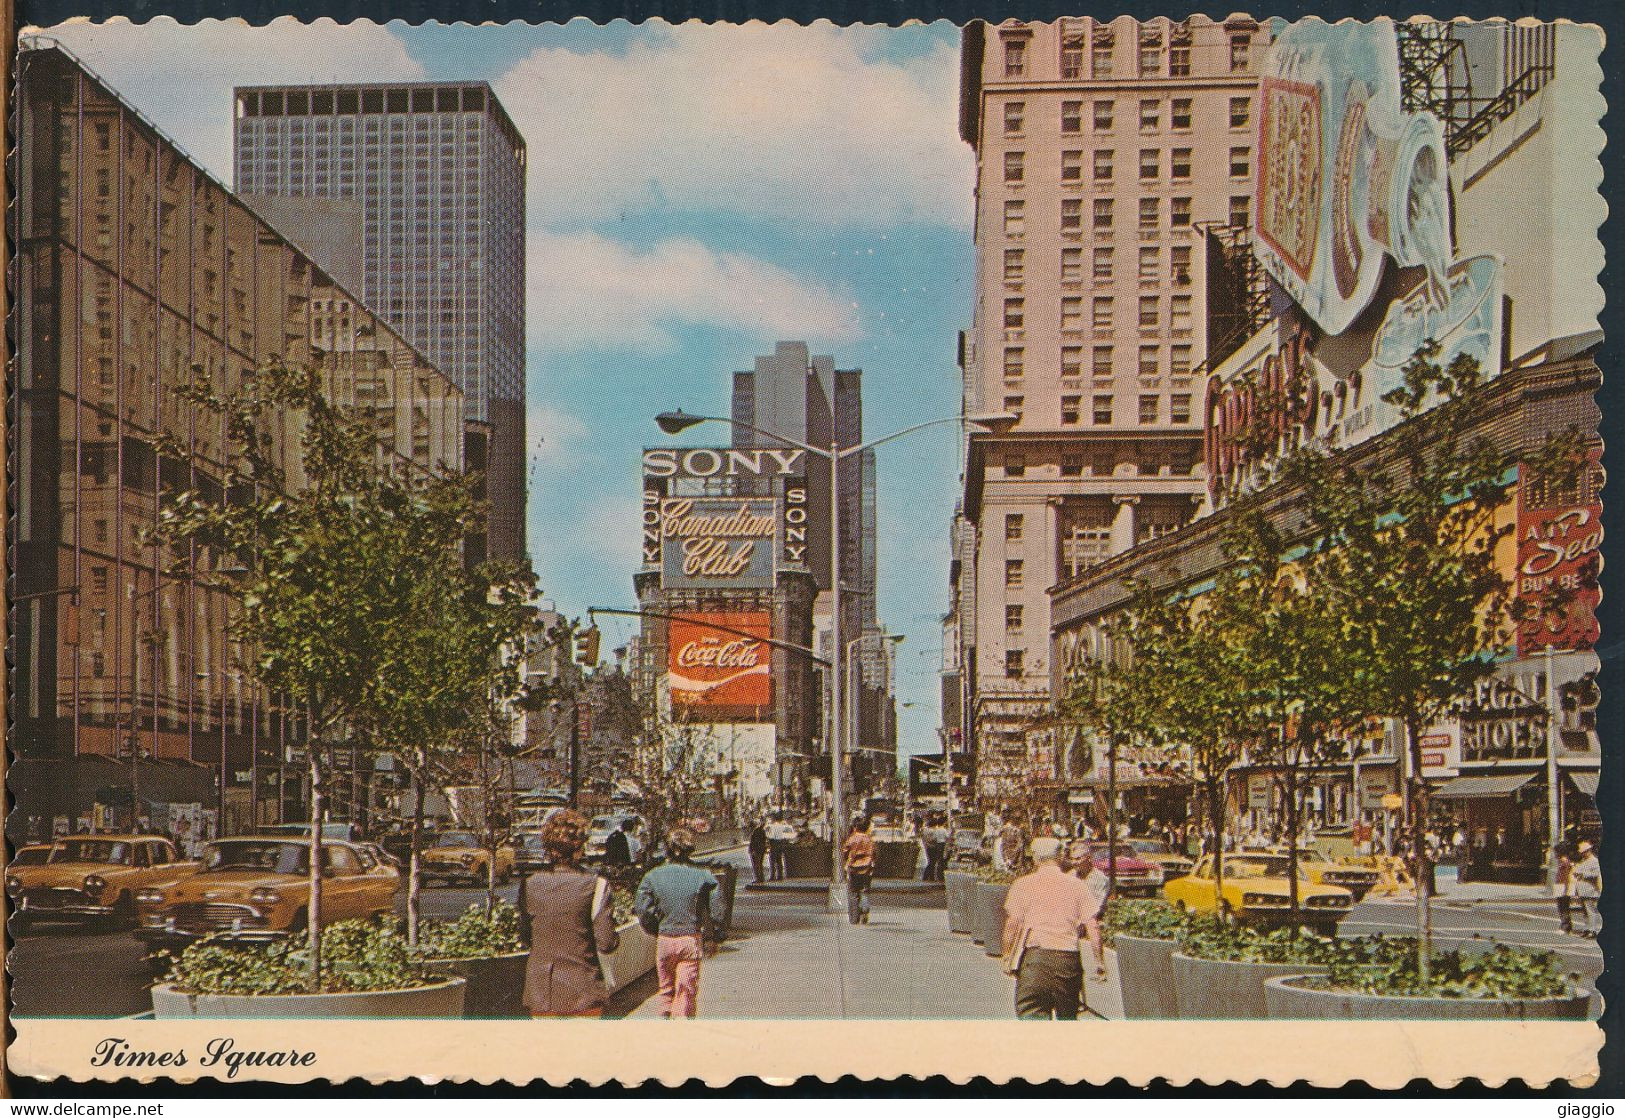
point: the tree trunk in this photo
(1216, 818)
(1417, 797)
(1289, 774)
(414, 868)
(313, 915)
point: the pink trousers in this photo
(677, 965)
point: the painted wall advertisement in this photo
(1559, 560)
(720, 660)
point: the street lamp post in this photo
(675, 422)
(854, 723)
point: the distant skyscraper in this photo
(435, 175)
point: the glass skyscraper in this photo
(432, 178)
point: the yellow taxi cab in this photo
(34, 854)
(257, 889)
(461, 856)
(1256, 891)
(92, 877)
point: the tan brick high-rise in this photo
(1106, 152)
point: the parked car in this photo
(92, 877)
(336, 832)
(34, 854)
(257, 889)
(377, 860)
(1135, 876)
(602, 825)
(529, 855)
(1357, 880)
(1172, 863)
(461, 856)
(1256, 890)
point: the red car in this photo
(1135, 877)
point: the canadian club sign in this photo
(717, 518)
(720, 660)
(718, 541)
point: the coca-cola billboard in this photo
(721, 660)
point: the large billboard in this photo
(715, 542)
(1559, 559)
(1345, 175)
(720, 660)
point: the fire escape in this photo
(1434, 77)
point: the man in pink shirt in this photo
(1047, 914)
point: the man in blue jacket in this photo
(678, 902)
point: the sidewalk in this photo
(789, 958)
(1452, 892)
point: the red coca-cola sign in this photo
(720, 660)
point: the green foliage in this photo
(1146, 919)
(621, 900)
(993, 875)
(476, 934)
(359, 955)
(1209, 938)
(1388, 966)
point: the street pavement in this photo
(788, 957)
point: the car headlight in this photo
(149, 896)
(265, 894)
(13, 885)
(1154, 875)
(94, 883)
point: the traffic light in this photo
(586, 647)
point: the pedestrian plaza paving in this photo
(800, 961)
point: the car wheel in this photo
(158, 965)
(1228, 915)
(1327, 928)
(123, 912)
(21, 922)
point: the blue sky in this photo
(695, 194)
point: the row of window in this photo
(1103, 115)
(1104, 165)
(1154, 56)
(1101, 413)
(326, 102)
(1103, 312)
(1103, 259)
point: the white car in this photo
(602, 825)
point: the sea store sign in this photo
(1346, 176)
(1559, 560)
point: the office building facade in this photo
(136, 274)
(429, 180)
(1108, 154)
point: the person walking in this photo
(678, 902)
(1047, 914)
(780, 835)
(936, 848)
(1586, 881)
(859, 857)
(758, 850)
(567, 923)
(618, 848)
(1564, 882)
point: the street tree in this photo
(323, 548)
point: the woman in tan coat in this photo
(569, 920)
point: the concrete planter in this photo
(496, 984)
(1104, 996)
(808, 859)
(443, 999)
(634, 958)
(959, 887)
(897, 861)
(1148, 989)
(989, 927)
(1224, 990)
(1286, 999)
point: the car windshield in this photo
(1254, 866)
(1121, 851)
(251, 854)
(92, 850)
(458, 838)
(1148, 846)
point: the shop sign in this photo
(1435, 749)
(710, 666)
(1258, 792)
(1374, 785)
(712, 542)
(711, 462)
(1500, 723)
(1346, 177)
(1559, 557)
(794, 550)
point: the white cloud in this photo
(779, 121)
(589, 291)
(181, 75)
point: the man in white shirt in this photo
(1047, 914)
(779, 837)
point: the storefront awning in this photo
(1476, 787)
(1586, 782)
